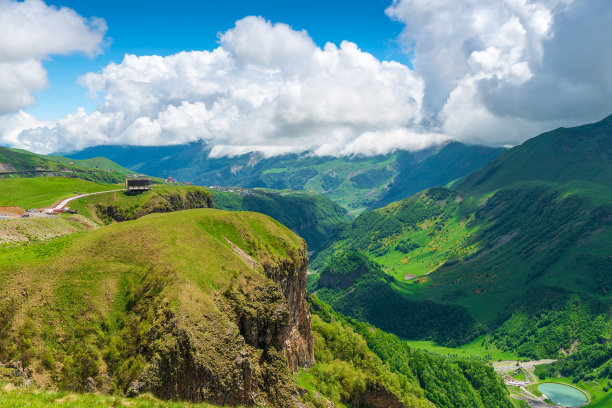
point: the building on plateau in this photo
(137, 185)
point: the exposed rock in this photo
(159, 203)
(249, 360)
(377, 396)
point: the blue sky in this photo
(163, 28)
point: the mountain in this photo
(356, 183)
(582, 153)
(520, 249)
(204, 305)
(449, 164)
(21, 163)
(313, 217)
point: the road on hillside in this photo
(63, 203)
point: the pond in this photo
(563, 394)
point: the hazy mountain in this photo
(523, 245)
(355, 183)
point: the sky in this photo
(333, 77)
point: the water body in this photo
(563, 395)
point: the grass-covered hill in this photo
(582, 153)
(118, 206)
(21, 163)
(525, 252)
(356, 183)
(313, 217)
(201, 305)
(41, 192)
(196, 305)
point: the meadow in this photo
(45, 191)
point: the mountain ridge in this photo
(356, 182)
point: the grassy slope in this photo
(512, 247)
(36, 398)
(356, 183)
(563, 155)
(85, 280)
(131, 206)
(18, 232)
(101, 163)
(312, 216)
(29, 164)
(44, 191)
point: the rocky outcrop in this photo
(159, 203)
(296, 336)
(377, 396)
(246, 357)
(273, 317)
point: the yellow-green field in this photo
(45, 191)
(31, 397)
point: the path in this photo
(63, 203)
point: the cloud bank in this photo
(29, 32)
(499, 72)
(485, 72)
(266, 88)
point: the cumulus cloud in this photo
(499, 72)
(266, 88)
(29, 32)
(485, 71)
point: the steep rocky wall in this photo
(249, 355)
(159, 203)
(296, 337)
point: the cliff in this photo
(198, 305)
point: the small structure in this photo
(137, 185)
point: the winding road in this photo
(63, 203)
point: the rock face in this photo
(377, 396)
(248, 359)
(296, 336)
(159, 203)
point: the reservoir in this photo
(563, 394)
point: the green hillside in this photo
(21, 163)
(200, 305)
(563, 155)
(446, 382)
(355, 183)
(45, 191)
(523, 250)
(155, 301)
(121, 206)
(101, 163)
(313, 217)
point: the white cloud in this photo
(12, 125)
(499, 72)
(29, 32)
(486, 71)
(266, 88)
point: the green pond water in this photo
(563, 395)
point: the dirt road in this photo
(63, 203)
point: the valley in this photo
(425, 291)
(308, 204)
(356, 183)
